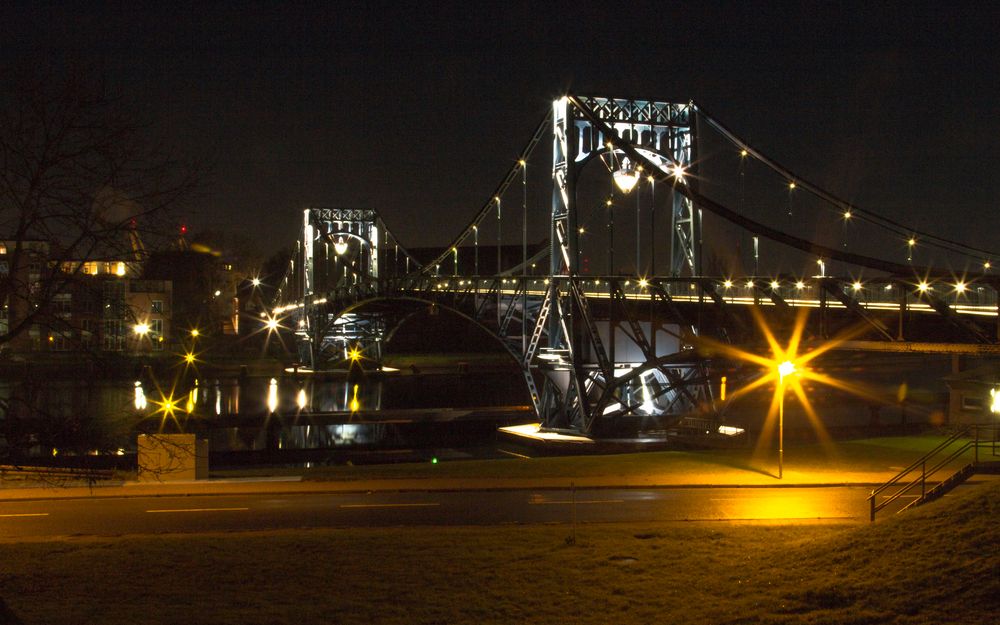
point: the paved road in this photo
(268, 511)
(145, 515)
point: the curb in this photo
(213, 491)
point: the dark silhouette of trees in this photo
(81, 180)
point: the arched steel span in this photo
(387, 299)
(517, 358)
(680, 386)
(749, 224)
(682, 373)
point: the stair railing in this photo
(919, 469)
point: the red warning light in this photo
(184, 229)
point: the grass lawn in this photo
(938, 564)
(887, 454)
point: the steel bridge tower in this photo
(339, 250)
(660, 131)
(586, 378)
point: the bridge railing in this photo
(880, 294)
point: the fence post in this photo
(923, 479)
(871, 501)
(976, 456)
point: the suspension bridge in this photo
(665, 237)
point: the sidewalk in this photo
(858, 463)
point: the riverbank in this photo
(866, 461)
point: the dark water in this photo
(259, 416)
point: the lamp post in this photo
(784, 369)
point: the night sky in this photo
(417, 110)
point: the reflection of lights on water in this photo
(218, 399)
(301, 399)
(355, 405)
(272, 395)
(140, 397)
(192, 399)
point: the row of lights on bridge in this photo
(923, 286)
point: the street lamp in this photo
(784, 369)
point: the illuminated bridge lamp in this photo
(995, 400)
(142, 329)
(354, 354)
(626, 177)
(340, 246)
(255, 282)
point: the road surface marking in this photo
(23, 514)
(514, 453)
(388, 505)
(201, 510)
(568, 502)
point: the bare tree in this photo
(79, 176)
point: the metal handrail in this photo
(921, 463)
